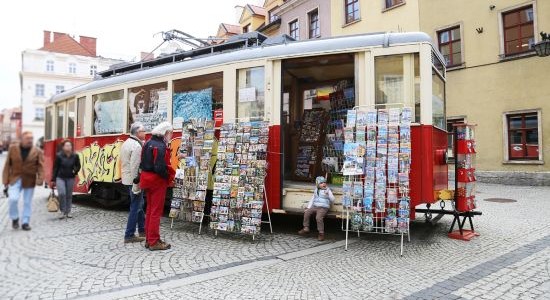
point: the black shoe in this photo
(26, 227)
(15, 224)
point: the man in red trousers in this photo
(156, 175)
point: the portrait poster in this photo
(148, 105)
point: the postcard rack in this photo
(377, 157)
(310, 145)
(239, 193)
(193, 173)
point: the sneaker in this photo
(303, 231)
(26, 227)
(69, 216)
(62, 216)
(134, 239)
(15, 224)
(160, 245)
(321, 237)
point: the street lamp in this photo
(543, 47)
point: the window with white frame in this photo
(72, 68)
(39, 114)
(93, 70)
(39, 90)
(392, 3)
(294, 30)
(351, 11)
(314, 26)
(450, 45)
(59, 89)
(522, 134)
(49, 66)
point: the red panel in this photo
(273, 179)
(416, 168)
(428, 166)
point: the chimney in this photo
(89, 43)
(57, 35)
(47, 38)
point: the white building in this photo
(62, 63)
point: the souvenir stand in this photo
(239, 179)
(189, 192)
(465, 181)
(310, 145)
(377, 159)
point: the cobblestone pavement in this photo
(86, 257)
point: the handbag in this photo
(53, 202)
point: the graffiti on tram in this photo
(100, 163)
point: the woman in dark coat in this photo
(65, 168)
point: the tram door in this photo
(324, 84)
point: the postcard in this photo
(351, 118)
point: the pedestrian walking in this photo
(23, 170)
(65, 168)
(156, 174)
(318, 206)
(130, 157)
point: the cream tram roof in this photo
(250, 53)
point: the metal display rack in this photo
(189, 192)
(376, 171)
(239, 189)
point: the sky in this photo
(123, 28)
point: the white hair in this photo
(135, 127)
(162, 128)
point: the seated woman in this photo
(318, 205)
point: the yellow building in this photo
(494, 78)
(252, 17)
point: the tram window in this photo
(390, 86)
(108, 116)
(70, 118)
(60, 108)
(48, 123)
(250, 92)
(148, 104)
(83, 121)
(438, 101)
(417, 88)
(197, 97)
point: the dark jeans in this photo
(65, 193)
(136, 215)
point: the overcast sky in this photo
(123, 28)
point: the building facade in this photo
(10, 126)
(62, 63)
(494, 78)
(300, 19)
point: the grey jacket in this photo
(130, 156)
